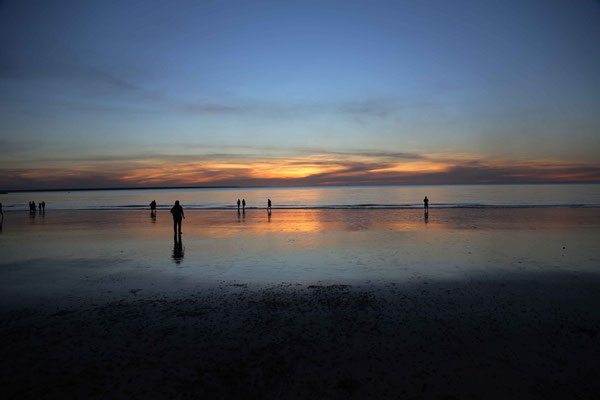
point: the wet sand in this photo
(484, 305)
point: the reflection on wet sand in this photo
(177, 249)
(222, 224)
(296, 244)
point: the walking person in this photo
(153, 205)
(269, 205)
(244, 205)
(238, 203)
(426, 204)
(178, 215)
(43, 206)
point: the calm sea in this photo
(440, 196)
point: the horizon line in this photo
(6, 191)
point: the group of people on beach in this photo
(243, 204)
(41, 206)
(178, 215)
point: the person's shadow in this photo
(153, 216)
(178, 251)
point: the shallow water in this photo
(441, 196)
(117, 253)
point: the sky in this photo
(280, 93)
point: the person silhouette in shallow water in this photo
(153, 205)
(43, 206)
(244, 205)
(269, 205)
(177, 212)
(1, 213)
(426, 204)
(238, 203)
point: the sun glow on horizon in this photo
(317, 169)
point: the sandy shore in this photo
(521, 336)
(375, 304)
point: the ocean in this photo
(328, 197)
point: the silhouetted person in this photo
(177, 212)
(153, 205)
(40, 206)
(238, 203)
(32, 207)
(269, 205)
(426, 204)
(244, 205)
(43, 206)
(1, 213)
(177, 249)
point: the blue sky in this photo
(107, 93)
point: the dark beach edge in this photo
(522, 335)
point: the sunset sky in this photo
(167, 93)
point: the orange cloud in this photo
(318, 169)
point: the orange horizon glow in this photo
(317, 170)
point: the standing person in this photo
(269, 205)
(40, 206)
(153, 205)
(1, 213)
(238, 203)
(244, 205)
(177, 212)
(426, 203)
(43, 206)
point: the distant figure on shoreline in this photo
(1, 213)
(40, 207)
(244, 205)
(43, 206)
(32, 207)
(238, 203)
(177, 212)
(269, 205)
(153, 205)
(426, 204)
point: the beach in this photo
(467, 303)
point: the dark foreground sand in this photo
(517, 336)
